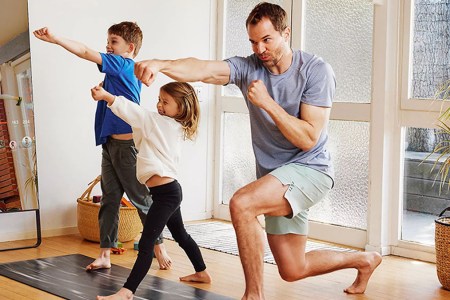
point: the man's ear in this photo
(287, 34)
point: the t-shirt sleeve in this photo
(239, 67)
(136, 116)
(111, 64)
(320, 86)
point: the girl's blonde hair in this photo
(186, 98)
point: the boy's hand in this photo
(45, 35)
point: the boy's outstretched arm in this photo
(74, 47)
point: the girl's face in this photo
(166, 105)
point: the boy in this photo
(118, 171)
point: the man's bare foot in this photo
(122, 294)
(102, 262)
(364, 273)
(201, 277)
(164, 261)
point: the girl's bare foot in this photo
(164, 261)
(364, 273)
(122, 294)
(102, 262)
(201, 277)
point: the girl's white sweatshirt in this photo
(157, 138)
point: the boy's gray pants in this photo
(118, 177)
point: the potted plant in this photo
(442, 224)
(442, 148)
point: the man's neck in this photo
(283, 63)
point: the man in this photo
(289, 96)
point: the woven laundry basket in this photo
(442, 244)
(87, 218)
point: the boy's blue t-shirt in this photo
(119, 81)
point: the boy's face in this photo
(166, 105)
(118, 46)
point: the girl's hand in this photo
(98, 93)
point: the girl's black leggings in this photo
(165, 210)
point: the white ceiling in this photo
(13, 19)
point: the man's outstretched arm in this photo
(184, 70)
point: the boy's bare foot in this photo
(122, 294)
(201, 277)
(102, 262)
(364, 273)
(164, 261)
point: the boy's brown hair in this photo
(275, 13)
(130, 32)
(184, 95)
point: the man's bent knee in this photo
(292, 273)
(240, 208)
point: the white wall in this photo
(64, 111)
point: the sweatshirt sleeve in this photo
(132, 113)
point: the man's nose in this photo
(260, 48)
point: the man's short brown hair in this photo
(275, 13)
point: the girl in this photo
(158, 137)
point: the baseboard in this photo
(382, 250)
(17, 236)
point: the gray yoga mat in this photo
(65, 276)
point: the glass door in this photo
(235, 163)
(426, 69)
(341, 33)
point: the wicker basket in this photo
(442, 242)
(87, 217)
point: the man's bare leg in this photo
(200, 277)
(294, 264)
(122, 294)
(250, 240)
(102, 262)
(164, 260)
(259, 197)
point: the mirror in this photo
(18, 170)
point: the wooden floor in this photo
(396, 278)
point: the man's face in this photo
(117, 45)
(267, 43)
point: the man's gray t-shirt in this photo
(308, 80)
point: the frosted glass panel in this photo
(340, 31)
(346, 204)
(430, 47)
(238, 159)
(236, 39)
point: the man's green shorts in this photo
(307, 187)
